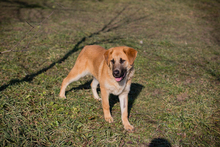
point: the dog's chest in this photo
(116, 89)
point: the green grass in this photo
(174, 95)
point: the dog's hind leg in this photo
(75, 74)
(94, 85)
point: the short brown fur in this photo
(112, 69)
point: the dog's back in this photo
(90, 58)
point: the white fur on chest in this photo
(117, 88)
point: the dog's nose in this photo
(116, 72)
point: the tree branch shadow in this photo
(106, 28)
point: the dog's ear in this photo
(131, 54)
(107, 55)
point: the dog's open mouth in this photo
(120, 78)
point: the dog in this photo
(112, 69)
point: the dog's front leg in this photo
(105, 105)
(123, 97)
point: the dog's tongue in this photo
(118, 79)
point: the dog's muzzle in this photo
(119, 75)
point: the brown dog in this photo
(112, 69)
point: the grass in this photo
(174, 97)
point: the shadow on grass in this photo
(159, 142)
(83, 86)
(16, 8)
(30, 77)
(22, 4)
(110, 26)
(132, 96)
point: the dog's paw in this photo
(129, 128)
(98, 98)
(62, 96)
(109, 119)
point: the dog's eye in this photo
(113, 61)
(121, 60)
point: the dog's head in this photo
(120, 60)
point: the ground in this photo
(174, 97)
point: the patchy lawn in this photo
(174, 97)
